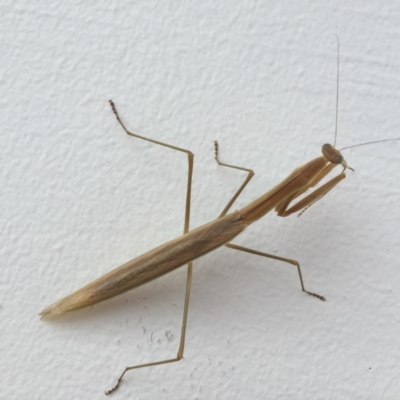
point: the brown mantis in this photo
(193, 244)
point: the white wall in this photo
(79, 197)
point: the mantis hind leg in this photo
(190, 156)
(287, 260)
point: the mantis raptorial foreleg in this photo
(306, 202)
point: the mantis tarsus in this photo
(193, 244)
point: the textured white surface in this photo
(79, 197)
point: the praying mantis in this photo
(221, 231)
